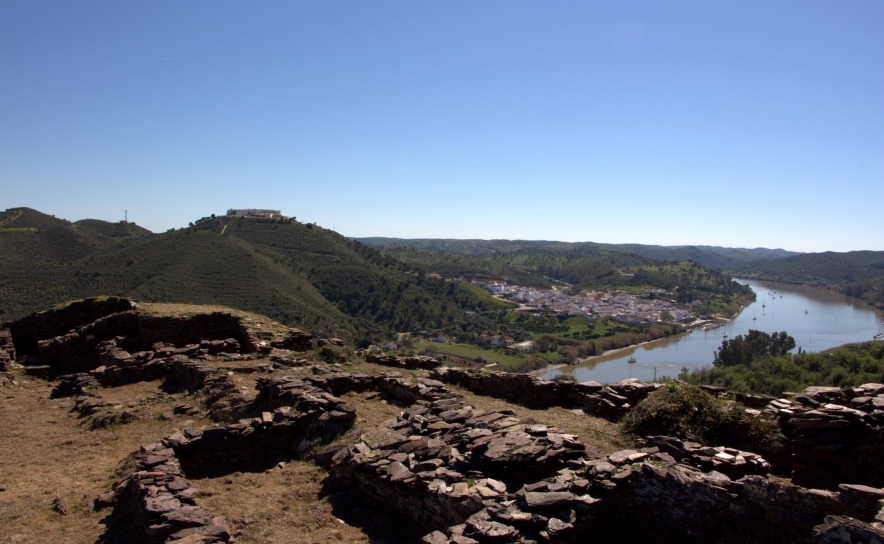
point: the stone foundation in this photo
(835, 436)
(411, 362)
(28, 331)
(113, 333)
(610, 402)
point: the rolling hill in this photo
(300, 275)
(720, 258)
(858, 274)
(574, 266)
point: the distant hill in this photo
(300, 275)
(855, 273)
(720, 258)
(577, 266)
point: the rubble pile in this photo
(611, 401)
(835, 435)
(729, 461)
(410, 362)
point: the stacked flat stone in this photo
(732, 462)
(279, 391)
(410, 362)
(835, 435)
(7, 350)
(93, 332)
(442, 461)
(642, 492)
(289, 361)
(29, 331)
(611, 401)
(294, 340)
(76, 350)
(294, 411)
(164, 501)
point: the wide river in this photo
(818, 320)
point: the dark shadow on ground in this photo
(382, 524)
(122, 526)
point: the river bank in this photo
(817, 319)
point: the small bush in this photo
(686, 412)
(565, 378)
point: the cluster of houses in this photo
(619, 306)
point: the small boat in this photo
(879, 336)
(725, 335)
(631, 360)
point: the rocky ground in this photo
(50, 452)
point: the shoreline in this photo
(608, 352)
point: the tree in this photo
(743, 350)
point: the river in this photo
(817, 319)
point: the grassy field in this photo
(468, 352)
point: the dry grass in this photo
(47, 452)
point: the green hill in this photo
(106, 230)
(575, 266)
(720, 258)
(300, 275)
(858, 274)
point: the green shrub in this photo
(683, 411)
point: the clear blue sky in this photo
(723, 123)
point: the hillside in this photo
(574, 266)
(300, 275)
(717, 257)
(858, 274)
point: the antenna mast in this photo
(126, 219)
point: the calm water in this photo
(831, 320)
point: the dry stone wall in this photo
(294, 340)
(7, 350)
(28, 331)
(181, 331)
(611, 401)
(645, 495)
(834, 435)
(76, 350)
(410, 362)
(112, 333)
(164, 501)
